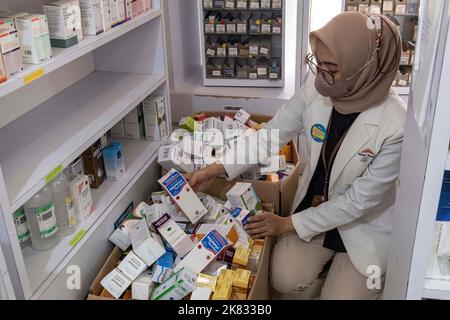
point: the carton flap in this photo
(96, 288)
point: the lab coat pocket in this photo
(358, 165)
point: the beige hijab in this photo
(352, 39)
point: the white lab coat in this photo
(362, 188)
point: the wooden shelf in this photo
(60, 129)
(62, 57)
(42, 266)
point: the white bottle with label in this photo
(64, 206)
(23, 232)
(42, 222)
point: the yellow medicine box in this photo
(206, 281)
(226, 277)
(239, 296)
(241, 281)
(241, 256)
(223, 292)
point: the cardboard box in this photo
(173, 157)
(91, 16)
(147, 246)
(281, 194)
(134, 124)
(62, 21)
(185, 198)
(174, 235)
(34, 38)
(243, 195)
(204, 253)
(201, 294)
(142, 287)
(117, 10)
(93, 165)
(176, 287)
(106, 14)
(155, 118)
(118, 131)
(10, 54)
(114, 162)
(82, 197)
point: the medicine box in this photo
(201, 294)
(117, 10)
(118, 131)
(34, 38)
(134, 124)
(142, 287)
(243, 195)
(204, 253)
(62, 19)
(114, 162)
(106, 14)
(183, 195)
(91, 16)
(120, 279)
(82, 197)
(242, 216)
(163, 268)
(93, 165)
(136, 8)
(154, 118)
(173, 157)
(10, 54)
(223, 292)
(146, 246)
(178, 286)
(6, 17)
(174, 235)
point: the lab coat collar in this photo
(359, 135)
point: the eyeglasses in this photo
(328, 75)
(315, 68)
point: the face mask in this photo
(337, 90)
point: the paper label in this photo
(231, 28)
(264, 51)
(265, 28)
(46, 219)
(233, 52)
(214, 242)
(276, 30)
(273, 75)
(254, 50)
(211, 52)
(217, 73)
(229, 4)
(52, 175)
(253, 76)
(221, 52)
(220, 28)
(174, 184)
(209, 28)
(242, 4)
(254, 5)
(78, 237)
(242, 28)
(20, 220)
(400, 9)
(388, 5)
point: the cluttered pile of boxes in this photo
(202, 139)
(184, 245)
(29, 38)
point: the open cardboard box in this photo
(261, 287)
(282, 193)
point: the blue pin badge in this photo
(319, 133)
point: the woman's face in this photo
(326, 60)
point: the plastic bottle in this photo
(42, 221)
(64, 207)
(23, 232)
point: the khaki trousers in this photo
(296, 266)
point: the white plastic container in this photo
(42, 221)
(64, 206)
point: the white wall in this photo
(323, 11)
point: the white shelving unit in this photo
(447, 166)
(277, 39)
(79, 95)
(424, 160)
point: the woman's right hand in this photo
(201, 180)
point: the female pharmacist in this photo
(354, 123)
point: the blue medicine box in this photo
(444, 203)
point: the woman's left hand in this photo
(268, 224)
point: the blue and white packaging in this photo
(114, 162)
(241, 216)
(204, 253)
(183, 195)
(163, 268)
